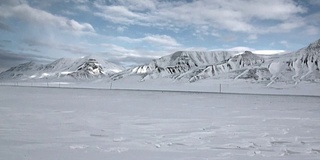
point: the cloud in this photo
(128, 57)
(120, 52)
(162, 40)
(83, 8)
(39, 17)
(5, 27)
(234, 15)
(130, 61)
(77, 49)
(10, 59)
(5, 41)
(314, 2)
(313, 21)
(13, 2)
(312, 30)
(268, 52)
(240, 48)
(284, 43)
(252, 37)
(158, 40)
(243, 48)
(118, 14)
(33, 43)
(138, 5)
(121, 28)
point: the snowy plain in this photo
(69, 123)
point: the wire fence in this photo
(260, 89)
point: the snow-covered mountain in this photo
(243, 62)
(191, 66)
(177, 63)
(194, 65)
(20, 71)
(80, 68)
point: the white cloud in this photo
(253, 37)
(158, 40)
(83, 8)
(67, 12)
(13, 2)
(284, 43)
(80, 1)
(243, 48)
(117, 14)
(313, 21)
(286, 26)
(74, 25)
(121, 28)
(139, 5)
(130, 57)
(34, 16)
(314, 2)
(162, 40)
(205, 31)
(312, 30)
(120, 51)
(233, 15)
(240, 48)
(268, 52)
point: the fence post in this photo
(111, 85)
(220, 88)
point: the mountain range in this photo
(193, 66)
(301, 65)
(64, 68)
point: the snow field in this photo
(60, 123)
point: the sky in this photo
(132, 32)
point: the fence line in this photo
(110, 86)
(216, 88)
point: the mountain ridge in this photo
(77, 68)
(192, 66)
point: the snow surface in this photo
(67, 124)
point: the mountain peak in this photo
(315, 44)
(247, 52)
